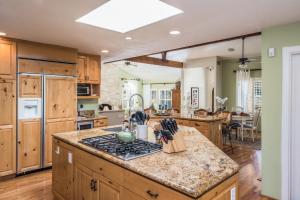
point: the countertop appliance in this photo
(85, 125)
(83, 90)
(125, 151)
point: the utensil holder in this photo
(175, 145)
(142, 132)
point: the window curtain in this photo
(242, 88)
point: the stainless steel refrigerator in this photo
(46, 105)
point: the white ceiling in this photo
(152, 73)
(53, 21)
(252, 50)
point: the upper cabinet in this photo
(7, 59)
(88, 69)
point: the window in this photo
(165, 98)
(257, 88)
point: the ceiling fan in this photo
(244, 60)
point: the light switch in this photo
(271, 52)
(70, 157)
(57, 150)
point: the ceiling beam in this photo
(156, 61)
(198, 45)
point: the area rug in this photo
(256, 145)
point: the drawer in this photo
(148, 189)
(32, 66)
(100, 166)
(100, 122)
(183, 122)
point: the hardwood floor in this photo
(37, 186)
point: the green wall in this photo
(229, 79)
(276, 37)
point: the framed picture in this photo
(195, 97)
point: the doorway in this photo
(290, 120)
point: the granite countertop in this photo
(192, 172)
(191, 117)
(81, 119)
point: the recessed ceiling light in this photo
(174, 32)
(123, 16)
(128, 38)
(105, 51)
(2, 33)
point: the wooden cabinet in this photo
(29, 145)
(62, 170)
(30, 86)
(81, 67)
(60, 98)
(7, 59)
(202, 127)
(7, 150)
(88, 69)
(128, 195)
(176, 97)
(100, 122)
(7, 127)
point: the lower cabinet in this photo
(7, 150)
(63, 171)
(78, 175)
(90, 185)
(29, 145)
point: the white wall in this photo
(196, 73)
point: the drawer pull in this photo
(152, 194)
(196, 124)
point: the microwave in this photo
(83, 90)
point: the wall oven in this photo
(85, 125)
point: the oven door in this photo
(85, 125)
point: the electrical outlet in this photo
(70, 157)
(233, 193)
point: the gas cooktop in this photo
(126, 151)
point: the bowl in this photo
(125, 136)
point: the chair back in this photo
(201, 112)
(227, 117)
(237, 109)
(256, 117)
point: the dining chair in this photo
(251, 125)
(237, 109)
(226, 129)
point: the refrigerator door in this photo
(60, 110)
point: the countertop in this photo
(190, 117)
(82, 119)
(106, 111)
(192, 172)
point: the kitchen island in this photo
(201, 172)
(209, 126)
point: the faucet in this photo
(130, 102)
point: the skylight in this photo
(127, 15)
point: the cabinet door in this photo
(62, 170)
(30, 86)
(29, 145)
(53, 127)
(106, 189)
(83, 181)
(60, 98)
(7, 150)
(93, 69)
(81, 68)
(7, 59)
(7, 102)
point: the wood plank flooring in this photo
(37, 186)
